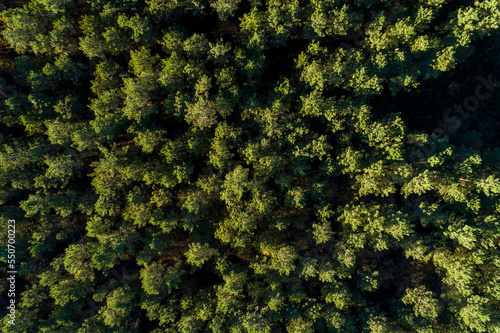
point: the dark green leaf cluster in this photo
(251, 166)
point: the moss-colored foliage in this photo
(251, 166)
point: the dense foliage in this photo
(252, 166)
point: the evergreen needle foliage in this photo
(251, 166)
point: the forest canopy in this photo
(251, 165)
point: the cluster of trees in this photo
(248, 166)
